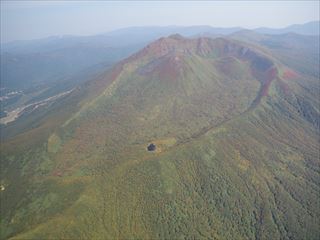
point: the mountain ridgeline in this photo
(234, 127)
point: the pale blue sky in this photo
(38, 19)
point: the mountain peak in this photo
(177, 45)
(165, 45)
(176, 36)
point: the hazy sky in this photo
(38, 19)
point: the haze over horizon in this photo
(25, 20)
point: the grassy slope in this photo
(248, 174)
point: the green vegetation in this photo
(237, 151)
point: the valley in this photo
(14, 114)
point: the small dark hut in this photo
(151, 147)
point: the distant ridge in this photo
(154, 32)
(310, 28)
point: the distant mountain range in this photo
(310, 28)
(152, 32)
